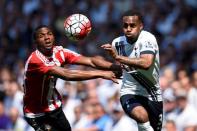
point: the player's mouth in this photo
(129, 35)
(48, 44)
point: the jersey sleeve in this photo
(148, 46)
(70, 56)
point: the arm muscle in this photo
(144, 62)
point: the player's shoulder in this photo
(35, 57)
(65, 51)
(32, 56)
(119, 39)
(60, 48)
(32, 61)
(146, 35)
(57, 48)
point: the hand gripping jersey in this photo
(40, 93)
(141, 82)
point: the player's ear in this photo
(141, 26)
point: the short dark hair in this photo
(36, 30)
(133, 13)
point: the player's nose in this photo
(129, 29)
(46, 37)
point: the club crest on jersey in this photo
(135, 50)
(148, 44)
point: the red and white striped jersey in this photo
(40, 93)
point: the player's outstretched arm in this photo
(99, 63)
(78, 75)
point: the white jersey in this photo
(142, 82)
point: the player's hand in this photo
(118, 74)
(110, 50)
(109, 75)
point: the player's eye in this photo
(126, 25)
(50, 33)
(40, 36)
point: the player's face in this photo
(131, 27)
(44, 39)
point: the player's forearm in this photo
(105, 65)
(142, 63)
(75, 75)
(92, 128)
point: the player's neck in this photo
(46, 52)
(131, 41)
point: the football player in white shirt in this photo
(138, 52)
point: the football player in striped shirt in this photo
(42, 102)
(138, 52)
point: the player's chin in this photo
(48, 47)
(130, 37)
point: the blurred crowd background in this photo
(94, 104)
